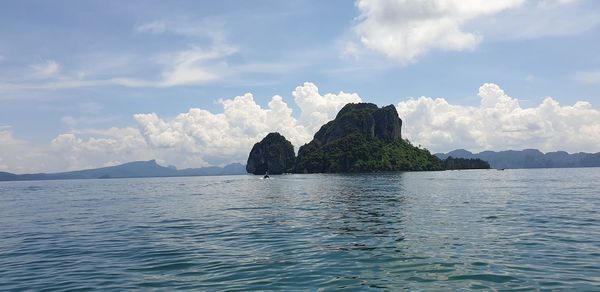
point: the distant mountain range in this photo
(529, 158)
(129, 170)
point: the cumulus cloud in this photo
(228, 136)
(192, 139)
(107, 147)
(69, 151)
(317, 109)
(200, 137)
(500, 123)
(405, 29)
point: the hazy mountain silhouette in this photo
(129, 170)
(529, 158)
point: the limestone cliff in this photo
(274, 154)
(363, 138)
(365, 118)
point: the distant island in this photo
(135, 169)
(529, 158)
(361, 138)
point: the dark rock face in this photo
(274, 154)
(388, 126)
(365, 118)
(363, 138)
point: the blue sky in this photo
(77, 69)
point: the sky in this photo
(87, 84)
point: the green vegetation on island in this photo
(274, 154)
(362, 138)
(358, 152)
(464, 163)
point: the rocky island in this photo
(361, 138)
(274, 154)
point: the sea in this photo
(511, 230)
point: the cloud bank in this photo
(200, 138)
(500, 123)
(229, 136)
(405, 29)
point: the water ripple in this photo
(514, 230)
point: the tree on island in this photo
(274, 155)
(361, 138)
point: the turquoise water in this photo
(506, 230)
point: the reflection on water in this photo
(516, 229)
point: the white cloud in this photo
(46, 69)
(500, 123)
(194, 66)
(200, 138)
(110, 146)
(202, 62)
(228, 136)
(191, 139)
(69, 151)
(405, 29)
(317, 109)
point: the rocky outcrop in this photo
(274, 154)
(364, 118)
(363, 138)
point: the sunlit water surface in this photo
(513, 229)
